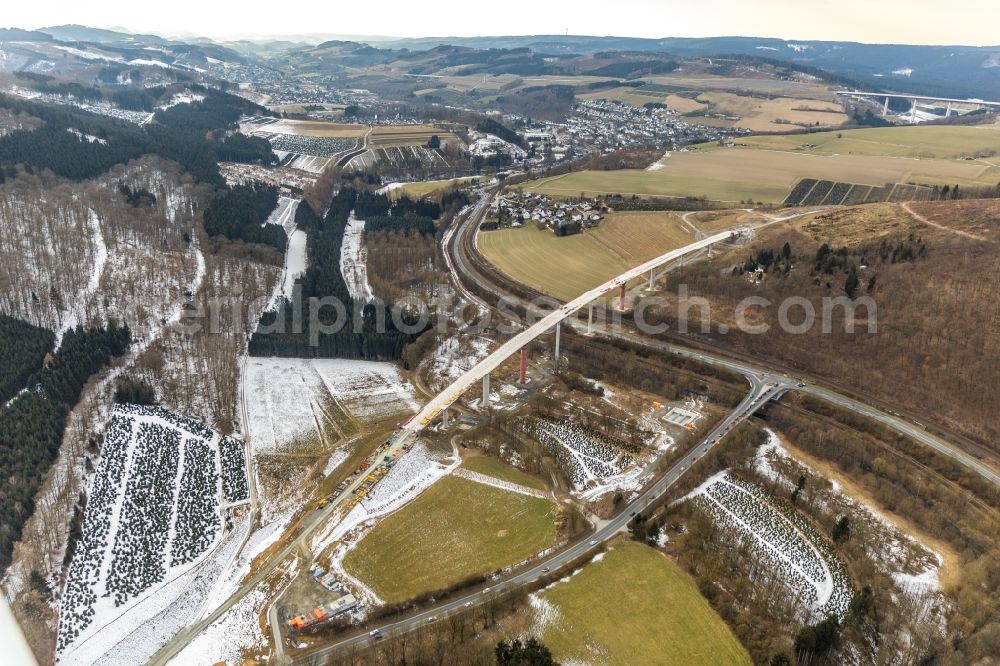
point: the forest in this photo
(239, 213)
(32, 425)
(22, 349)
(283, 333)
(78, 145)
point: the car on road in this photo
(593, 542)
(375, 633)
(467, 604)
(432, 618)
(486, 589)
(632, 514)
(801, 385)
(545, 569)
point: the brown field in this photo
(567, 266)
(738, 174)
(762, 85)
(683, 104)
(771, 115)
(320, 128)
(406, 135)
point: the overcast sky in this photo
(876, 21)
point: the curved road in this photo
(765, 385)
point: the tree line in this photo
(32, 425)
(23, 347)
(240, 212)
(190, 134)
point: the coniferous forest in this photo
(22, 349)
(77, 144)
(278, 334)
(239, 213)
(32, 425)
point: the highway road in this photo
(412, 429)
(765, 384)
(894, 421)
(759, 393)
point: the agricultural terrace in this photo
(309, 405)
(566, 266)
(317, 128)
(427, 187)
(406, 135)
(455, 529)
(733, 175)
(922, 141)
(633, 606)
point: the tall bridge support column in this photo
(885, 108)
(621, 298)
(486, 390)
(558, 331)
(444, 418)
(913, 111)
(590, 318)
(947, 113)
(652, 278)
(523, 370)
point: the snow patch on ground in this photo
(289, 400)
(238, 630)
(75, 315)
(354, 261)
(488, 480)
(295, 262)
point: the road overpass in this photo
(760, 392)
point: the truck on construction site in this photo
(321, 614)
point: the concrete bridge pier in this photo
(558, 331)
(652, 278)
(885, 108)
(486, 390)
(444, 419)
(590, 318)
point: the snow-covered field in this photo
(354, 261)
(292, 402)
(782, 538)
(154, 512)
(284, 213)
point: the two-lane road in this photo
(759, 393)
